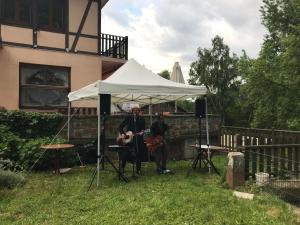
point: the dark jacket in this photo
(159, 128)
(130, 125)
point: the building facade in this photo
(51, 47)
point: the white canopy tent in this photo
(134, 82)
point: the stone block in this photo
(235, 170)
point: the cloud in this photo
(164, 31)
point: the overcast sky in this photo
(162, 32)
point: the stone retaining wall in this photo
(181, 126)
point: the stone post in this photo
(235, 170)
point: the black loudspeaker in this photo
(105, 101)
(200, 111)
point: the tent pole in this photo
(207, 135)
(150, 111)
(98, 146)
(175, 106)
(69, 114)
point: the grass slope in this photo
(152, 199)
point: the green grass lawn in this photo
(151, 199)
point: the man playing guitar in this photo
(158, 145)
(136, 125)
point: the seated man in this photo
(159, 148)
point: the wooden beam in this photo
(99, 27)
(34, 23)
(0, 36)
(1, 9)
(66, 24)
(83, 19)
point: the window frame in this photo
(22, 65)
(15, 22)
(49, 27)
(34, 14)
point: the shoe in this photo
(167, 172)
(159, 171)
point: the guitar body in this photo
(154, 142)
(124, 139)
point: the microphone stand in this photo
(136, 149)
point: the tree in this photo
(217, 70)
(165, 74)
(272, 81)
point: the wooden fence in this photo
(277, 160)
(276, 152)
(232, 137)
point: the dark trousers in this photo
(134, 154)
(160, 157)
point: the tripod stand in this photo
(104, 158)
(197, 159)
(204, 152)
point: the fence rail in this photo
(278, 160)
(276, 152)
(232, 137)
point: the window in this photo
(16, 11)
(51, 14)
(43, 86)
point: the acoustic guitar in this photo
(127, 138)
(154, 142)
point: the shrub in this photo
(21, 136)
(8, 164)
(31, 124)
(31, 153)
(10, 145)
(9, 179)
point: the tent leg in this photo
(207, 135)
(150, 111)
(98, 146)
(69, 114)
(175, 106)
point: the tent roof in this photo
(133, 82)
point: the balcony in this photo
(114, 46)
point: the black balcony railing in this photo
(114, 46)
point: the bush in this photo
(10, 145)
(8, 164)
(21, 136)
(21, 154)
(32, 153)
(31, 124)
(9, 179)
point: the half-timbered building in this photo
(51, 47)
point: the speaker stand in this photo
(198, 158)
